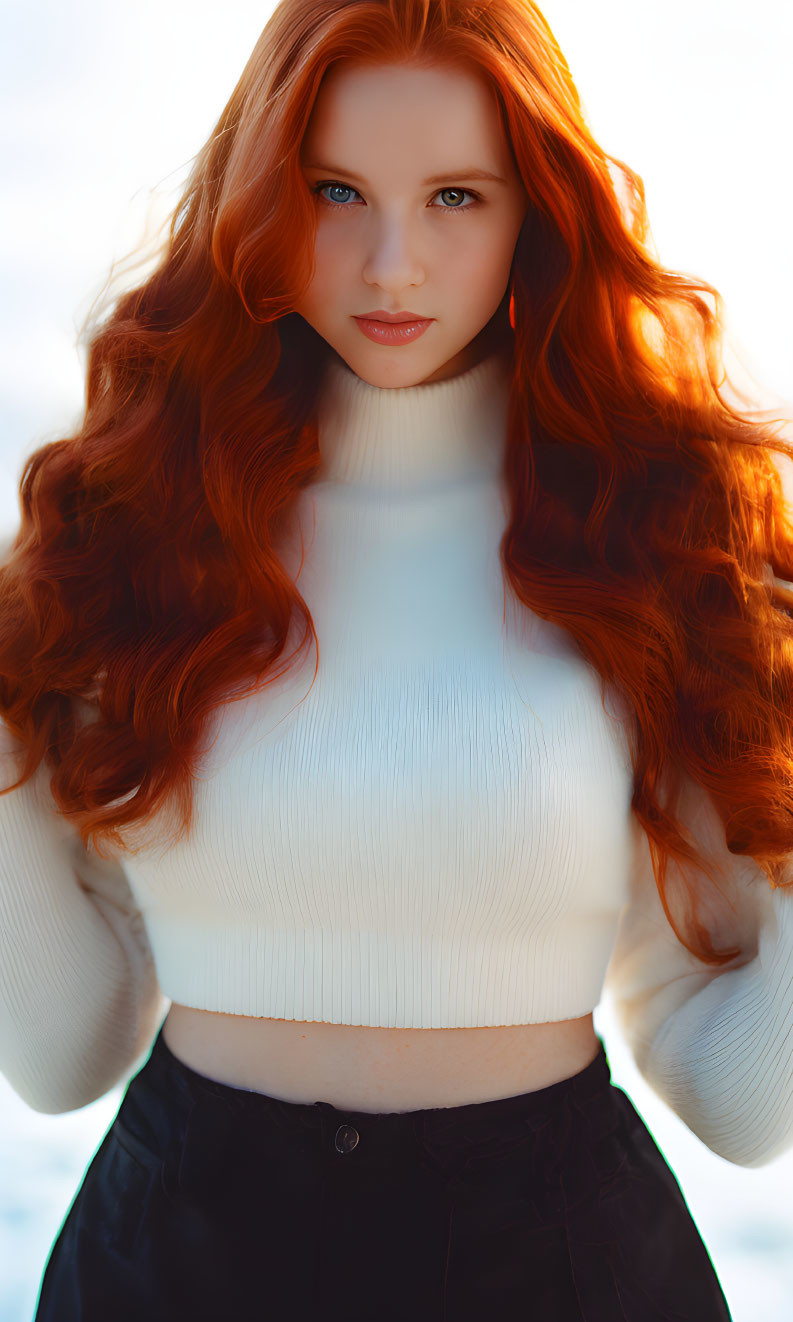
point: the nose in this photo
(393, 260)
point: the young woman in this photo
(406, 370)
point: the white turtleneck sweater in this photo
(436, 833)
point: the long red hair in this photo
(647, 515)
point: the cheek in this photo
(484, 270)
(329, 277)
(483, 251)
(333, 245)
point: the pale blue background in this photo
(102, 107)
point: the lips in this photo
(392, 333)
(392, 318)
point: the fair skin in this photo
(388, 246)
(391, 241)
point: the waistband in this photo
(468, 1122)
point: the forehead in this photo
(368, 113)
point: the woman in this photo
(396, 887)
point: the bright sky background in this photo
(102, 107)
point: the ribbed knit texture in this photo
(436, 832)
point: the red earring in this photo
(512, 310)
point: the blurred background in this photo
(102, 108)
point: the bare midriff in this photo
(378, 1069)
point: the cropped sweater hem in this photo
(441, 981)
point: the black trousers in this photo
(205, 1201)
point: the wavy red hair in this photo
(647, 514)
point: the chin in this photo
(396, 374)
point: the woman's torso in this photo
(378, 1069)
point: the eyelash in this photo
(341, 206)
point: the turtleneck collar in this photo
(413, 436)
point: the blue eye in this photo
(340, 206)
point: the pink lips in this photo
(380, 314)
(399, 332)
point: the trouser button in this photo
(346, 1138)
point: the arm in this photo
(79, 997)
(714, 1043)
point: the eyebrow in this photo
(472, 172)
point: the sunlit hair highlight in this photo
(647, 516)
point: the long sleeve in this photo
(79, 997)
(714, 1043)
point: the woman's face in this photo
(397, 243)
